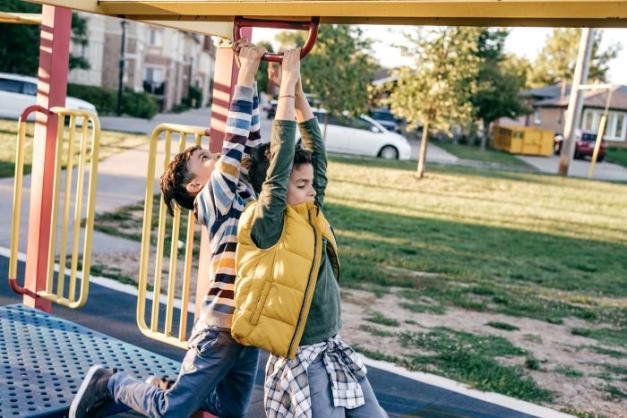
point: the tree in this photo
(19, 44)
(437, 92)
(499, 81)
(556, 62)
(338, 69)
(262, 75)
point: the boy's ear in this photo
(193, 187)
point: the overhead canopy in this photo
(179, 13)
(20, 18)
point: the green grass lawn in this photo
(466, 152)
(111, 142)
(617, 156)
(515, 243)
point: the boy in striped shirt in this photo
(217, 373)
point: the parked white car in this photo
(363, 136)
(17, 92)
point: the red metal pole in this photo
(54, 50)
(224, 79)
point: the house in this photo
(161, 61)
(550, 104)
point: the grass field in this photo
(466, 152)
(110, 143)
(617, 156)
(513, 247)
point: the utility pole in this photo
(121, 74)
(575, 102)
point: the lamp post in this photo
(121, 72)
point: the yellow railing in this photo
(88, 139)
(163, 330)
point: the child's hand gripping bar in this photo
(311, 27)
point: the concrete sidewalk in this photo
(201, 117)
(578, 168)
(122, 176)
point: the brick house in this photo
(550, 104)
(161, 61)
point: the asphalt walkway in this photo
(578, 168)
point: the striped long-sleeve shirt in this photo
(220, 204)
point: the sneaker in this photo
(93, 393)
(162, 383)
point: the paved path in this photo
(579, 168)
(122, 177)
(201, 117)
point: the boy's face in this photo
(200, 166)
(300, 188)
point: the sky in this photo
(521, 41)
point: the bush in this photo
(103, 99)
(194, 97)
(141, 105)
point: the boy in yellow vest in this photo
(287, 299)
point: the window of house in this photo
(154, 37)
(620, 126)
(153, 75)
(588, 120)
(615, 129)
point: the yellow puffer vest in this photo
(275, 286)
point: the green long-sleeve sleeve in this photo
(268, 220)
(313, 141)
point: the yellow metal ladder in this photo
(163, 329)
(72, 142)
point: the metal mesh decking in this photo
(43, 360)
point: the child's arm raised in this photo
(312, 140)
(254, 137)
(268, 222)
(218, 198)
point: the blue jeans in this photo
(322, 400)
(217, 375)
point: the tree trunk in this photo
(486, 135)
(422, 155)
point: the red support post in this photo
(224, 80)
(54, 50)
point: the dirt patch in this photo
(568, 364)
(124, 268)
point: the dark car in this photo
(584, 145)
(387, 119)
(270, 108)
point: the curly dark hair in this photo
(259, 161)
(174, 179)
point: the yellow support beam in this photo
(597, 13)
(222, 28)
(20, 18)
(438, 12)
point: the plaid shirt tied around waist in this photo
(287, 393)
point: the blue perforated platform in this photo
(44, 358)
